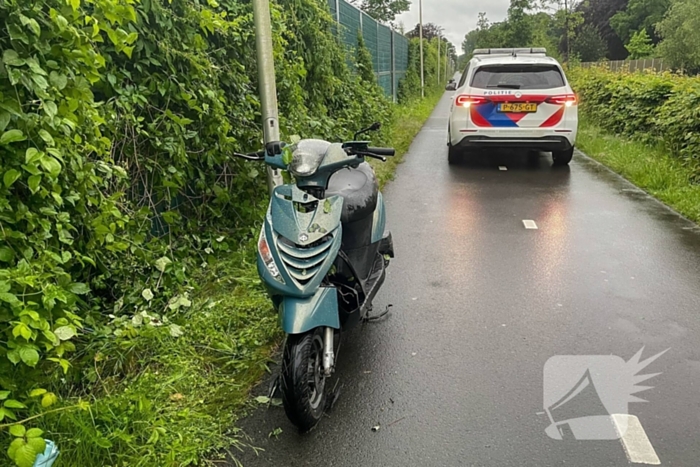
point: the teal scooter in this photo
(322, 255)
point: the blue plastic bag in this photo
(48, 457)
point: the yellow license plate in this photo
(517, 107)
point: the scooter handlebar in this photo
(382, 151)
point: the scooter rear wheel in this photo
(303, 381)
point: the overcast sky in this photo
(457, 17)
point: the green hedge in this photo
(117, 121)
(653, 107)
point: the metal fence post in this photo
(393, 67)
(379, 64)
(420, 33)
(438, 61)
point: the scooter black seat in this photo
(359, 190)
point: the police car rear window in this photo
(517, 76)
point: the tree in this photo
(485, 36)
(598, 14)
(383, 11)
(588, 45)
(640, 45)
(519, 30)
(639, 14)
(430, 31)
(680, 34)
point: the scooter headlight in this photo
(266, 256)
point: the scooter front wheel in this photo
(303, 381)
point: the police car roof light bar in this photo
(513, 52)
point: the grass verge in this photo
(163, 400)
(651, 168)
(408, 120)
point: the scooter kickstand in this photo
(274, 386)
(381, 315)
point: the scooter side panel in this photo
(379, 221)
(298, 315)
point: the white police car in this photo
(513, 98)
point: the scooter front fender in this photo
(298, 315)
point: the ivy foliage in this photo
(410, 86)
(117, 121)
(651, 107)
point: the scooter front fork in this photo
(328, 356)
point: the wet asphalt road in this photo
(454, 376)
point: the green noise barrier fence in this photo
(389, 48)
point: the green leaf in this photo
(9, 298)
(79, 288)
(175, 330)
(6, 256)
(4, 395)
(65, 332)
(65, 364)
(13, 356)
(12, 136)
(40, 81)
(50, 108)
(31, 24)
(131, 38)
(58, 80)
(4, 119)
(10, 177)
(13, 404)
(162, 263)
(50, 165)
(32, 155)
(11, 58)
(179, 301)
(37, 392)
(25, 456)
(51, 337)
(15, 445)
(17, 431)
(33, 183)
(36, 443)
(34, 433)
(23, 330)
(262, 400)
(35, 67)
(46, 136)
(75, 4)
(29, 356)
(147, 294)
(48, 400)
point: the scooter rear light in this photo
(266, 256)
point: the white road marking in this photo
(634, 440)
(502, 167)
(529, 224)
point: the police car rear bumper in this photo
(545, 143)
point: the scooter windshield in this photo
(307, 157)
